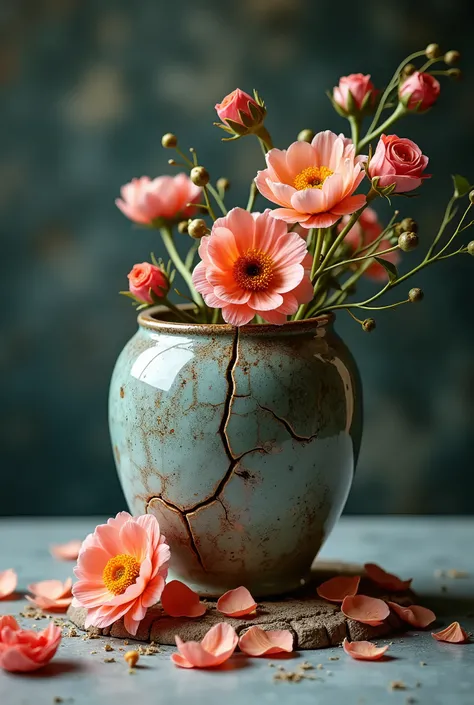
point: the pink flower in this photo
(252, 265)
(234, 104)
(164, 198)
(51, 595)
(8, 583)
(121, 571)
(366, 230)
(399, 161)
(360, 87)
(24, 649)
(313, 182)
(146, 276)
(217, 646)
(419, 91)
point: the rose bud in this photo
(355, 94)
(183, 227)
(433, 51)
(455, 73)
(199, 176)
(452, 57)
(408, 70)
(415, 295)
(241, 114)
(197, 228)
(146, 277)
(369, 325)
(408, 225)
(408, 241)
(419, 91)
(398, 161)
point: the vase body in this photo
(242, 442)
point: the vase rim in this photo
(149, 318)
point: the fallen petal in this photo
(258, 642)
(454, 634)
(51, 589)
(178, 600)
(43, 603)
(336, 589)
(386, 580)
(364, 609)
(416, 615)
(236, 603)
(66, 551)
(364, 650)
(8, 582)
(217, 646)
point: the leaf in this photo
(389, 268)
(461, 185)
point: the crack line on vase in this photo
(288, 426)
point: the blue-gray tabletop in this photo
(431, 673)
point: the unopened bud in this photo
(409, 69)
(433, 51)
(408, 241)
(415, 295)
(452, 57)
(471, 196)
(368, 325)
(455, 74)
(197, 228)
(470, 248)
(199, 176)
(169, 141)
(172, 162)
(131, 657)
(305, 136)
(183, 227)
(223, 184)
(409, 225)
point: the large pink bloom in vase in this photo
(314, 183)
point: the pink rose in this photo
(24, 649)
(146, 276)
(165, 198)
(419, 91)
(398, 161)
(361, 88)
(233, 104)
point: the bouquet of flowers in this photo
(305, 254)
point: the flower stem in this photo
(355, 131)
(358, 259)
(264, 138)
(179, 264)
(399, 111)
(252, 196)
(183, 315)
(217, 199)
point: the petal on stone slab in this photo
(386, 580)
(336, 589)
(178, 600)
(364, 609)
(236, 603)
(415, 615)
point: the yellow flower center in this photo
(120, 572)
(254, 270)
(312, 177)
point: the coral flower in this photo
(121, 569)
(165, 198)
(24, 649)
(252, 265)
(366, 230)
(314, 183)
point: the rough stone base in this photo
(314, 623)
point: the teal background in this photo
(87, 90)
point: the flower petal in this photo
(386, 580)
(336, 589)
(364, 650)
(416, 615)
(364, 609)
(257, 642)
(289, 215)
(51, 589)
(217, 646)
(236, 603)
(237, 314)
(178, 600)
(66, 551)
(348, 205)
(48, 605)
(8, 582)
(454, 634)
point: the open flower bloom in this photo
(313, 183)
(386, 580)
(454, 634)
(416, 615)
(51, 595)
(398, 162)
(236, 603)
(24, 649)
(364, 650)
(364, 609)
(336, 589)
(8, 583)
(252, 265)
(367, 230)
(258, 642)
(178, 600)
(217, 646)
(121, 571)
(66, 551)
(165, 198)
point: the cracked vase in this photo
(242, 442)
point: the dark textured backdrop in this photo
(87, 89)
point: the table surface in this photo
(409, 546)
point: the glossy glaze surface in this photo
(242, 443)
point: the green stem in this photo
(264, 138)
(178, 312)
(252, 196)
(339, 239)
(399, 111)
(179, 264)
(188, 262)
(355, 131)
(316, 257)
(448, 216)
(217, 199)
(456, 232)
(358, 259)
(208, 203)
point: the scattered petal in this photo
(454, 634)
(47, 605)
(364, 650)
(178, 600)
(416, 615)
(24, 649)
(217, 646)
(8, 582)
(364, 609)
(386, 580)
(236, 603)
(258, 642)
(336, 589)
(66, 551)
(52, 589)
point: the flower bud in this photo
(197, 228)
(183, 227)
(199, 176)
(409, 69)
(471, 196)
(452, 57)
(470, 248)
(223, 184)
(305, 136)
(148, 282)
(419, 91)
(408, 241)
(368, 325)
(169, 141)
(172, 162)
(455, 74)
(240, 113)
(433, 51)
(408, 225)
(415, 295)
(355, 95)
(131, 657)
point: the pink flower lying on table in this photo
(399, 161)
(24, 649)
(121, 571)
(252, 265)
(313, 183)
(145, 200)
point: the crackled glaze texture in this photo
(243, 443)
